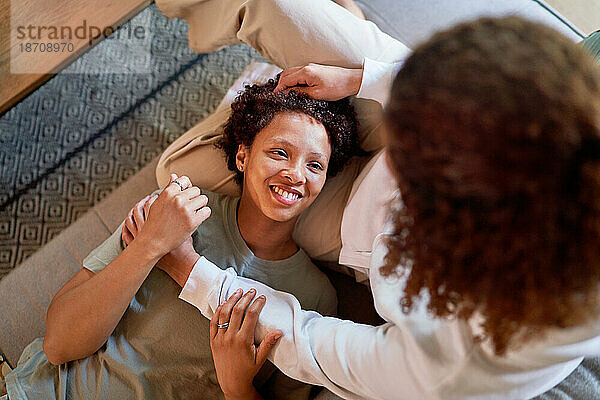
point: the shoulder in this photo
(325, 301)
(216, 202)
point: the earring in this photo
(241, 168)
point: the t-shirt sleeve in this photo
(102, 255)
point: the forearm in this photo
(178, 265)
(296, 355)
(352, 360)
(79, 321)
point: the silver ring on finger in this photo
(223, 325)
(178, 184)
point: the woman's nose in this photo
(294, 174)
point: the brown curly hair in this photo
(495, 142)
(256, 106)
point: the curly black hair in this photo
(255, 107)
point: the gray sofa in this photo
(26, 292)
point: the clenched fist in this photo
(163, 223)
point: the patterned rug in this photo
(80, 135)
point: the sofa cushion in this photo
(412, 22)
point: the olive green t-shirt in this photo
(160, 349)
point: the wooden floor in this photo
(585, 14)
(50, 13)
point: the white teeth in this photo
(283, 193)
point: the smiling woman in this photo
(257, 106)
(125, 298)
(282, 146)
(285, 168)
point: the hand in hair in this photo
(321, 82)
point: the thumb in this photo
(286, 78)
(266, 346)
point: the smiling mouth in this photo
(284, 196)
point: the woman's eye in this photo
(316, 166)
(280, 153)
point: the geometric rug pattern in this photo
(80, 135)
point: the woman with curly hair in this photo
(488, 273)
(117, 329)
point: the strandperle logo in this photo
(43, 45)
(83, 31)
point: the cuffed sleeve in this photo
(377, 80)
(204, 287)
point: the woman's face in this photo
(286, 166)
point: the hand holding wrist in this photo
(147, 248)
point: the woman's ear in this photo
(241, 157)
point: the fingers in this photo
(290, 70)
(239, 309)
(251, 317)
(148, 204)
(201, 215)
(189, 190)
(174, 188)
(314, 92)
(191, 201)
(298, 78)
(197, 202)
(214, 322)
(184, 181)
(266, 346)
(287, 78)
(190, 193)
(138, 213)
(126, 236)
(227, 307)
(130, 224)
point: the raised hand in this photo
(167, 221)
(136, 218)
(322, 82)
